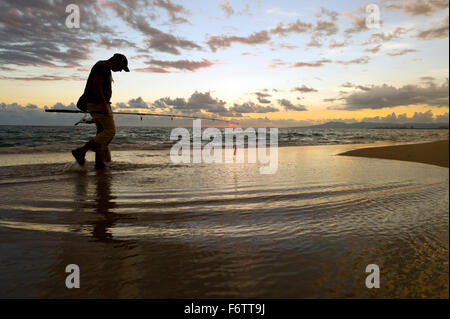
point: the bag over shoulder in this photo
(82, 103)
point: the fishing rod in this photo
(172, 116)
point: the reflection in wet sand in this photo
(103, 202)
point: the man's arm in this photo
(98, 91)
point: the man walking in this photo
(97, 95)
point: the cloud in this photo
(419, 7)
(349, 85)
(16, 114)
(304, 89)
(361, 60)
(151, 69)
(62, 106)
(441, 4)
(215, 42)
(334, 99)
(137, 103)
(358, 24)
(379, 97)
(250, 107)
(33, 33)
(436, 32)
(4, 68)
(325, 28)
(325, 25)
(166, 42)
(334, 45)
(159, 66)
(417, 117)
(428, 80)
(267, 122)
(375, 49)
(44, 77)
(197, 102)
(294, 27)
(315, 64)
(156, 39)
(401, 52)
(288, 106)
(320, 63)
(115, 43)
(382, 37)
(332, 15)
(226, 7)
(263, 100)
(262, 97)
(206, 102)
(314, 42)
(203, 102)
(173, 10)
(167, 102)
(443, 118)
(286, 46)
(393, 118)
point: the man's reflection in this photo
(102, 202)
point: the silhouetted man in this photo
(97, 94)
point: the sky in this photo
(263, 63)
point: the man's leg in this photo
(99, 156)
(108, 154)
(103, 138)
(104, 155)
(80, 153)
(108, 149)
(100, 144)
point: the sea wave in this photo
(20, 140)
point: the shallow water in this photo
(149, 228)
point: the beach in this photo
(149, 228)
(207, 154)
(434, 153)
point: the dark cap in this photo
(122, 60)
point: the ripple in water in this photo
(225, 230)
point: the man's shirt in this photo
(100, 68)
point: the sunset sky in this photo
(280, 63)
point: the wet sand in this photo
(435, 153)
(149, 228)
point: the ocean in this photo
(31, 139)
(149, 228)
